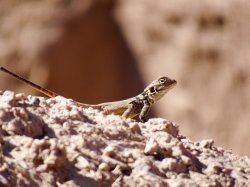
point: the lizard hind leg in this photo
(129, 112)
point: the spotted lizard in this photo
(128, 108)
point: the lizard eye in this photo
(162, 80)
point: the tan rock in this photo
(103, 151)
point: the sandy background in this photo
(98, 51)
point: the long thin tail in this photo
(37, 87)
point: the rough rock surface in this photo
(54, 142)
(109, 44)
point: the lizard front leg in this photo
(144, 110)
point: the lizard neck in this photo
(146, 96)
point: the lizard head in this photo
(159, 87)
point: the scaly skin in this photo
(129, 108)
(140, 104)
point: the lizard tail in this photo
(37, 87)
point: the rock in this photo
(74, 146)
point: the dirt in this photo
(54, 142)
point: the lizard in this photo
(128, 108)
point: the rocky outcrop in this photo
(54, 142)
(100, 51)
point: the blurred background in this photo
(98, 51)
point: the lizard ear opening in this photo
(152, 89)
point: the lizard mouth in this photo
(170, 84)
(173, 83)
(158, 88)
(160, 91)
